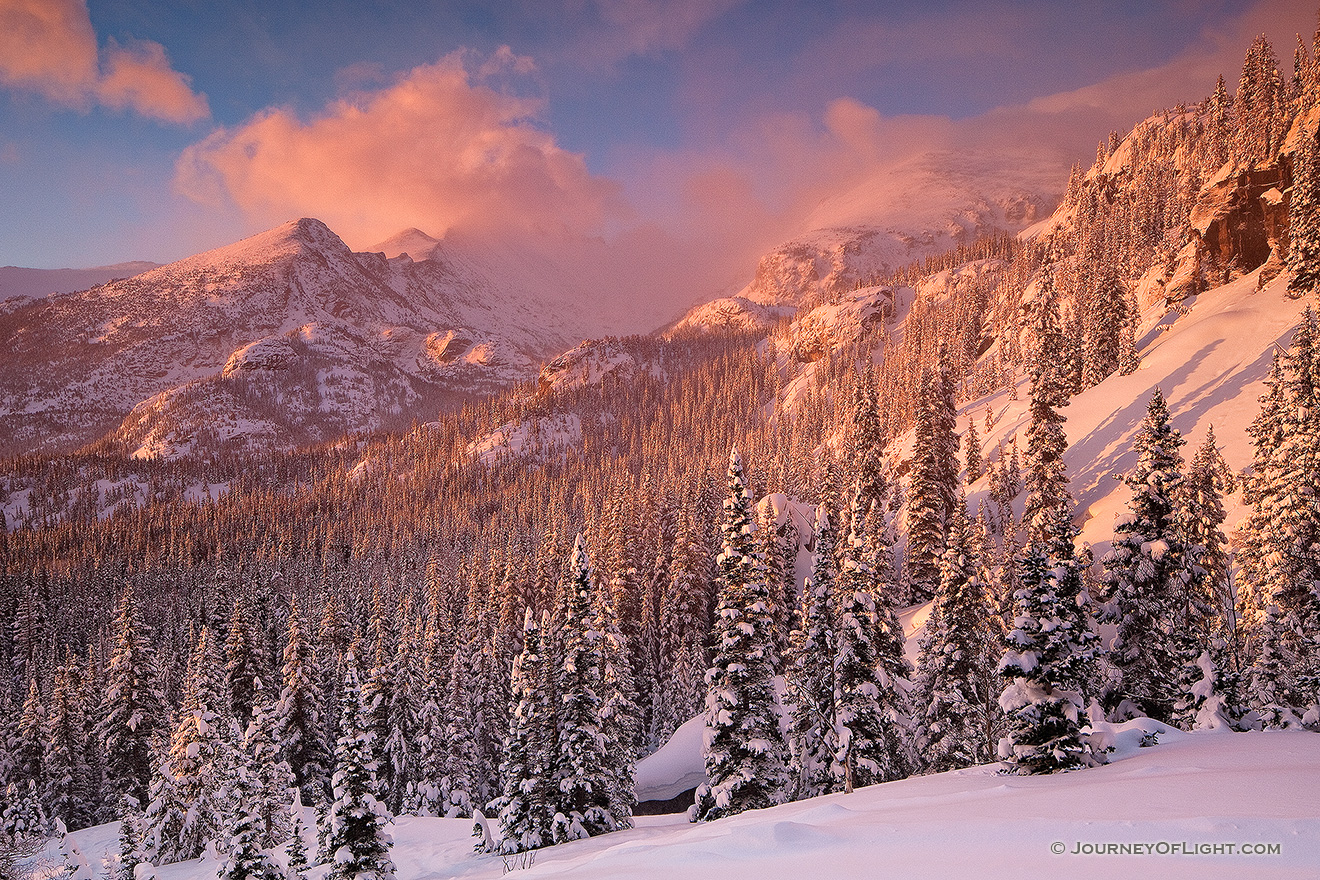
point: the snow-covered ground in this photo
(1200, 805)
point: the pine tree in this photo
(972, 453)
(1047, 479)
(746, 756)
(130, 845)
(870, 717)
(1304, 220)
(809, 672)
(620, 718)
(299, 714)
(1148, 572)
(956, 663)
(297, 852)
(582, 799)
(188, 802)
(934, 482)
(132, 711)
(524, 804)
(29, 752)
(1046, 659)
(267, 789)
(246, 861)
(68, 795)
(356, 843)
(1283, 563)
(245, 662)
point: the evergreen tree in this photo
(246, 860)
(298, 714)
(245, 661)
(524, 804)
(130, 846)
(1046, 659)
(1148, 572)
(934, 484)
(746, 756)
(188, 799)
(809, 673)
(972, 453)
(266, 788)
(356, 844)
(1047, 478)
(870, 720)
(68, 794)
(132, 710)
(620, 718)
(297, 851)
(1304, 220)
(582, 798)
(956, 663)
(29, 753)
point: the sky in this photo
(683, 138)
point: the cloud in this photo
(434, 149)
(49, 47)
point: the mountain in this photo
(900, 214)
(15, 281)
(283, 338)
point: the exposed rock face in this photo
(1237, 225)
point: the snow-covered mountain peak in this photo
(411, 241)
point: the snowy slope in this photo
(1209, 359)
(1190, 791)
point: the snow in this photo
(534, 438)
(1173, 803)
(675, 767)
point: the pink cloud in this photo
(433, 150)
(49, 47)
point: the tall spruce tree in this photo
(957, 695)
(1149, 571)
(582, 798)
(524, 805)
(132, 710)
(1046, 658)
(746, 755)
(870, 713)
(1304, 219)
(299, 714)
(356, 844)
(809, 671)
(934, 483)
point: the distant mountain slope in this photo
(16, 281)
(282, 338)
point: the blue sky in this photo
(591, 117)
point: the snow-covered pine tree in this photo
(188, 798)
(934, 482)
(1148, 572)
(246, 860)
(1283, 565)
(746, 755)
(130, 844)
(299, 714)
(957, 694)
(266, 791)
(524, 805)
(972, 453)
(23, 826)
(378, 688)
(356, 844)
(245, 661)
(871, 716)
(620, 718)
(1208, 479)
(132, 710)
(68, 787)
(297, 852)
(29, 750)
(582, 784)
(1046, 478)
(1304, 219)
(1046, 658)
(809, 672)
